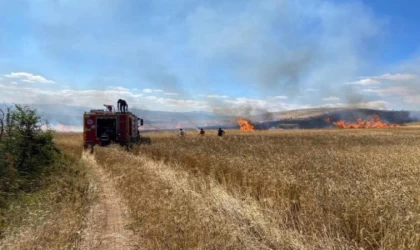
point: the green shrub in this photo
(26, 150)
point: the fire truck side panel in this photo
(123, 127)
(130, 127)
(89, 129)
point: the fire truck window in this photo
(107, 126)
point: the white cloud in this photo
(170, 93)
(331, 99)
(392, 91)
(118, 88)
(367, 81)
(95, 98)
(244, 100)
(178, 102)
(396, 77)
(89, 98)
(282, 97)
(217, 96)
(13, 83)
(152, 90)
(28, 77)
(149, 97)
(370, 105)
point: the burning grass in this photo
(245, 125)
(290, 190)
(374, 122)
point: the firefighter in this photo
(109, 107)
(202, 132)
(122, 105)
(181, 133)
(220, 132)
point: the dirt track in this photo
(107, 221)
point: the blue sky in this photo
(224, 56)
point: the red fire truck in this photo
(102, 127)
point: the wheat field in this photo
(284, 189)
(318, 189)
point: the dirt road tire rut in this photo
(108, 218)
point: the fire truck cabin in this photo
(104, 127)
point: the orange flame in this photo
(374, 122)
(245, 125)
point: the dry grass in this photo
(52, 217)
(326, 189)
(412, 125)
(319, 189)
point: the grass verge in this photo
(50, 217)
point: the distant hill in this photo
(297, 114)
(302, 118)
(315, 118)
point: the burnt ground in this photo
(318, 121)
(349, 115)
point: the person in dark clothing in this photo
(122, 105)
(202, 132)
(109, 107)
(181, 133)
(220, 132)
